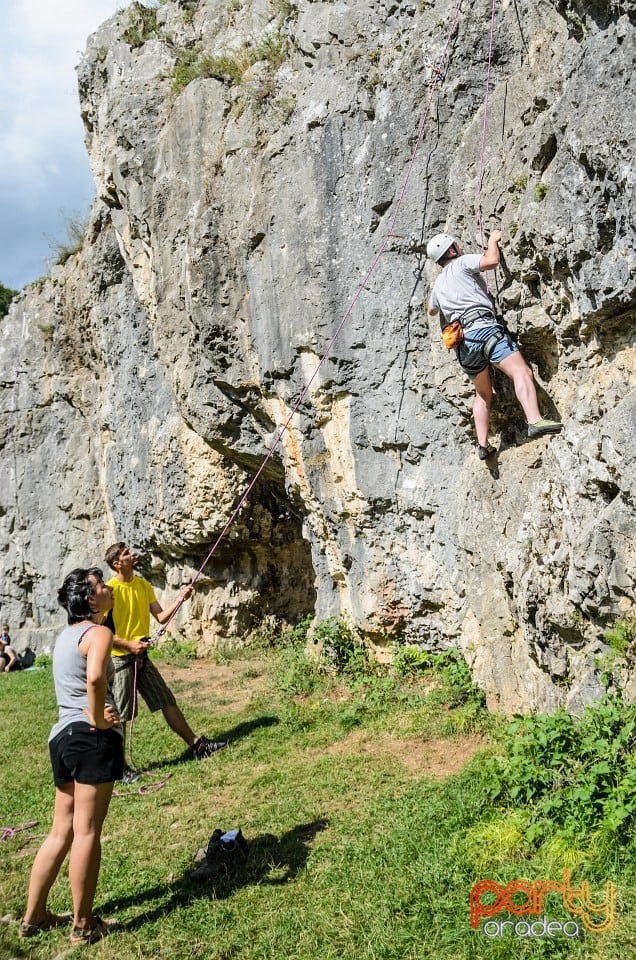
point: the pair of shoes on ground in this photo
(224, 851)
(543, 427)
(129, 775)
(202, 747)
(97, 931)
(50, 921)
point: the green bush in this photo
(578, 773)
(295, 672)
(409, 660)
(232, 66)
(448, 668)
(341, 650)
(174, 650)
(142, 25)
(621, 635)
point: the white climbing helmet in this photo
(438, 245)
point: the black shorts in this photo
(82, 753)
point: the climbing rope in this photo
(10, 833)
(484, 129)
(437, 74)
(143, 789)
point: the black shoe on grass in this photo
(202, 747)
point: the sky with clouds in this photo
(45, 179)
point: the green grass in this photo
(366, 835)
(231, 67)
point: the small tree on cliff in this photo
(6, 296)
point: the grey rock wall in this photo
(242, 222)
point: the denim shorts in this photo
(469, 350)
(82, 753)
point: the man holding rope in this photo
(461, 296)
(134, 601)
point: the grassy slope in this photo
(359, 850)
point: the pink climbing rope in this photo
(484, 129)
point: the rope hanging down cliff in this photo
(437, 74)
(484, 128)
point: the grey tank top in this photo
(69, 677)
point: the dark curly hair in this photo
(74, 593)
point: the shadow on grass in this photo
(232, 735)
(272, 861)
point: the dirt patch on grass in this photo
(438, 758)
(232, 687)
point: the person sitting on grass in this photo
(134, 601)
(87, 755)
(8, 656)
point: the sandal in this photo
(50, 921)
(99, 930)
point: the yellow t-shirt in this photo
(131, 609)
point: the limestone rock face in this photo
(249, 303)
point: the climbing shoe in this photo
(202, 747)
(485, 452)
(129, 775)
(542, 427)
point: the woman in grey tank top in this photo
(87, 756)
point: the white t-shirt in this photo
(460, 287)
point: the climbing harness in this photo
(473, 352)
(474, 355)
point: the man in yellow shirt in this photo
(134, 601)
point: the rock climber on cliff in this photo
(461, 298)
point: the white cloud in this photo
(43, 164)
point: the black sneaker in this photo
(129, 775)
(202, 747)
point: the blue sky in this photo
(44, 174)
